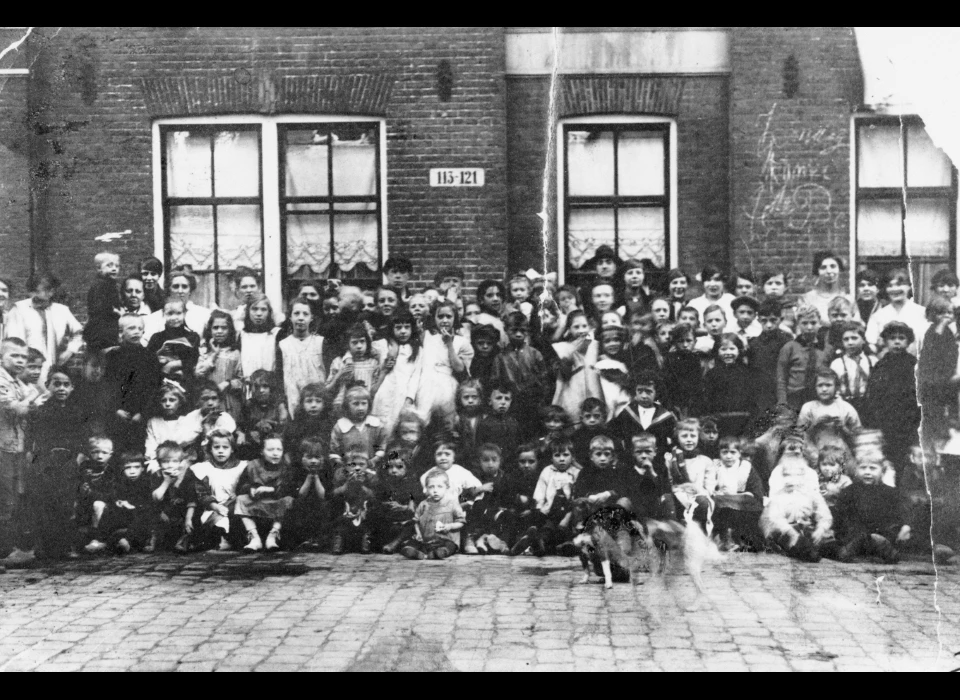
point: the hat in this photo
(604, 252)
(745, 301)
(485, 330)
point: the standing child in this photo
(220, 360)
(470, 400)
(169, 497)
(34, 370)
(439, 519)
(642, 354)
(714, 322)
(176, 346)
(709, 437)
(103, 304)
(730, 388)
(258, 339)
(828, 405)
(520, 296)
(357, 430)
(677, 285)
(397, 270)
(744, 322)
(682, 375)
(635, 296)
(300, 354)
(644, 414)
(764, 351)
(796, 519)
(936, 367)
(800, 359)
(485, 340)
(521, 366)
(265, 494)
(263, 413)
(447, 359)
(613, 367)
(555, 425)
(854, 366)
(402, 370)
(128, 519)
(868, 517)
(151, 269)
(131, 377)
(577, 377)
(498, 426)
(359, 366)
(212, 490)
(738, 497)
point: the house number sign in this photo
(456, 177)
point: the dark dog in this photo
(612, 542)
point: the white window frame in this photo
(273, 273)
(853, 255)
(673, 215)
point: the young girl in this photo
(265, 493)
(446, 361)
(300, 355)
(568, 299)
(209, 414)
(692, 474)
(402, 370)
(470, 402)
(677, 284)
(577, 376)
(308, 517)
(397, 492)
(359, 366)
(613, 369)
(212, 489)
(714, 293)
(258, 339)
(730, 390)
(738, 497)
(357, 430)
(682, 374)
(635, 295)
(660, 308)
(220, 359)
(311, 418)
(169, 498)
(935, 369)
(177, 346)
(831, 463)
(262, 414)
(172, 424)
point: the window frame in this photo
(274, 274)
(950, 195)
(668, 200)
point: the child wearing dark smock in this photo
(869, 519)
(265, 494)
(128, 520)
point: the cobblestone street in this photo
(316, 612)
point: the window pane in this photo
(239, 240)
(188, 164)
(880, 162)
(642, 234)
(590, 162)
(354, 160)
(355, 240)
(878, 228)
(640, 163)
(928, 228)
(205, 293)
(306, 163)
(927, 165)
(236, 164)
(191, 236)
(587, 230)
(308, 244)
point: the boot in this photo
(482, 546)
(495, 545)
(391, 546)
(253, 542)
(365, 543)
(337, 546)
(273, 541)
(411, 552)
(526, 540)
(469, 546)
(123, 546)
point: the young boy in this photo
(491, 517)
(799, 360)
(519, 290)
(797, 519)
(744, 322)
(103, 304)
(397, 270)
(353, 497)
(131, 378)
(598, 484)
(890, 404)
(764, 351)
(93, 493)
(521, 486)
(521, 366)
(497, 426)
(485, 340)
(868, 517)
(553, 499)
(127, 521)
(34, 369)
(854, 366)
(646, 487)
(828, 405)
(439, 519)
(593, 422)
(17, 401)
(868, 291)
(645, 415)
(396, 493)
(169, 499)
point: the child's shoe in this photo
(482, 546)
(337, 546)
(391, 547)
(567, 549)
(495, 545)
(885, 550)
(123, 546)
(273, 541)
(525, 541)
(151, 546)
(469, 546)
(183, 545)
(411, 552)
(224, 545)
(253, 542)
(365, 545)
(94, 547)
(20, 558)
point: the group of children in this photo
(425, 424)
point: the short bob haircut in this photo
(822, 255)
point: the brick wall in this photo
(702, 155)
(14, 182)
(94, 92)
(790, 155)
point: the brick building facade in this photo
(303, 150)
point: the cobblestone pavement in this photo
(310, 612)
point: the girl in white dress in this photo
(403, 369)
(258, 340)
(577, 375)
(446, 360)
(300, 354)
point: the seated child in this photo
(645, 415)
(598, 484)
(552, 524)
(796, 519)
(521, 485)
(263, 413)
(828, 405)
(438, 520)
(929, 496)
(647, 491)
(169, 498)
(353, 497)
(93, 492)
(869, 520)
(462, 484)
(128, 519)
(310, 419)
(265, 494)
(830, 464)
(397, 492)
(490, 516)
(409, 434)
(738, 497)
(211, 491)
(793, 444)
(308, 518)
(693, 474)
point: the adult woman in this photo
(714, 292)
(180, 285)
(446, 361)
(827, 267)
(45, 326)
(246, 285)
(490, 296)
(677, 284)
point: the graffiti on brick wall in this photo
(793, 191)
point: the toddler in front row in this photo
(439, 519)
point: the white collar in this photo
(345, 424)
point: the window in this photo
(617, 191)
(292, 197)
(906, 197)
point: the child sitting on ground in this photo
(212, 490)
(265, 494)
(491, 515)
(869, 520)
(738, 497)
(553, 499)
(439, 519)
(830, 465)
(647, 491)
(353, 499)
(693, 474)
(796, 519)
(397, 492)
(169, 498)
(308, 517)
(463, 485)
(598, 484)
(128, 518)
(93, 492)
